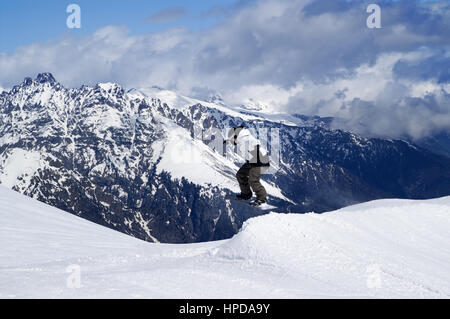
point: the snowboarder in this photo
(257, 162)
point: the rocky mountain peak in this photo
(121, 159)
(45, 78)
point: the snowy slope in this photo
(385, 248)
(246, 113)
(178, 101)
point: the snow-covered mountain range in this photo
(380, 249)
(142, 162)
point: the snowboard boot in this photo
(257, 202)
(244, 196)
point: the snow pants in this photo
(249, 177)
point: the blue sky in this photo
(23, 22)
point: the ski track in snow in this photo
(379, 249)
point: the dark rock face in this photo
(438, 143)
(94, 152)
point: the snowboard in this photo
(264, 206)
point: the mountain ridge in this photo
(137, 164)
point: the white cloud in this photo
(373, 102)
(276, 54)
(269, 43)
